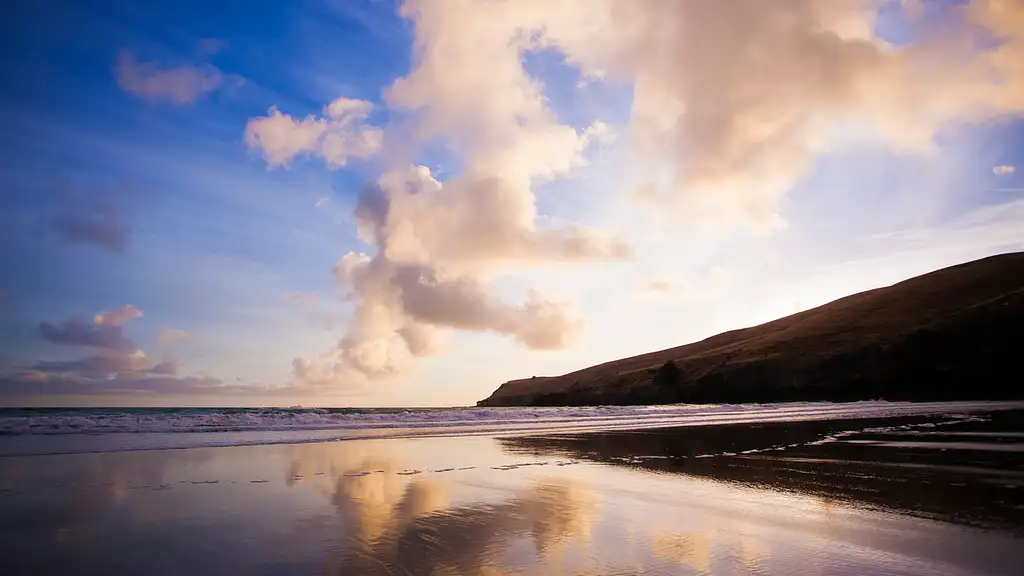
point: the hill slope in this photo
(955, 333)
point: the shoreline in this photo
(529, 422)
(769, 497)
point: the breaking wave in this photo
(61, 430)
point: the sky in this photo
(407, 203)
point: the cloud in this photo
(115, 365)
(337, 136)
(100, 365)
(42, 383)
(93, 217)
(171, 336)
(1003, 170)
(118, 316)
(104, 332)
(438, 245)
(914, 10)
(180, 84)
(731, 105)
(731, 101)
(116, 372)
(659, 287)
(168, 366)
(78, 332)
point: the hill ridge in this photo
(958, 322)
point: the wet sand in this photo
(912, 495)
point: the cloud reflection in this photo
(475, 539)
(400, 523)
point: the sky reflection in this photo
(472, 506)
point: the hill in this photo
(956, 333)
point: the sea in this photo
(39, 431)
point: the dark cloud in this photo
(168, 367)
(94, 366)
(80, 332)
(33, 383)
(93, 217)
(122, 373)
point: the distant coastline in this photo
(952, 334)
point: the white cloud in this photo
(180, 84)
(737, 98)
(439, 246)
(338, 136)
(732, 104)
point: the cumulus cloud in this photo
(179, 84)
(337, 136)
(468, 224)
(438, 246)
(732, 100)
(1003, 170)
(731, 104)
(92, 217)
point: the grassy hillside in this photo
(954, 333)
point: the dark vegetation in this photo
(957, 333)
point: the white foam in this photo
(33, 432)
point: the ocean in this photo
(38, 431)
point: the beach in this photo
(879, 489)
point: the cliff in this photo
(956, 333)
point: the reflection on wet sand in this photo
(364, 483)
(476, 539)
(692, 549)
(851, 461)
(468, 506)
(398, 518)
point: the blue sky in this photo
(125, 186)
